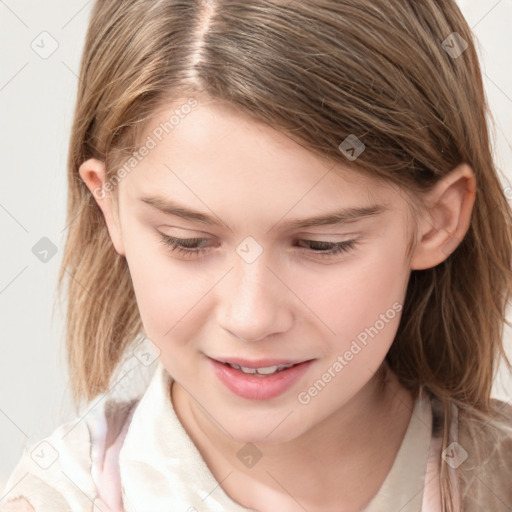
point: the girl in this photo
(295, 207)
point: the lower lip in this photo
(258, 388)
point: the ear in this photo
(446, 218)
(93, 173)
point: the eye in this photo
(184, 246)
(333, 248)
(190, 247)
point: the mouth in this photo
(259, 380)
(261, 370)
(259, 367)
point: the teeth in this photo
(248, 370)
(268, 370)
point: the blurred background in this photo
(40, 57)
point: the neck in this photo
(338, 465)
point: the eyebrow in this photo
(336, 218)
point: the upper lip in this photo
(258, 363)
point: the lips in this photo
(260, 379)
(257, 363)
(260, 366)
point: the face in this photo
(241, 283)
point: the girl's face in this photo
(257, 281)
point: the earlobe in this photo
(447, 217)
(93, 173)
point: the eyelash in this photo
(179, 245)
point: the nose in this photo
(254, 301)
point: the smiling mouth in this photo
(261, 379)
(268, 370)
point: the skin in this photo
(290, 303)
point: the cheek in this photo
(362, 304)
(168, 294)
(363, 298)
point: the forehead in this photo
(217, 154)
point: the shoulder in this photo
(58, 472)
(491, 435)
(486, 471)
(39, 478)
(18, 505)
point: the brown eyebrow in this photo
(339, 217)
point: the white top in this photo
(137, 457)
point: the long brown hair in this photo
(319, 71)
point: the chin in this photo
(266, 432)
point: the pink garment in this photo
(108, 431)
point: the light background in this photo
(37, 100)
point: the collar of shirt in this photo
(159, 464)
